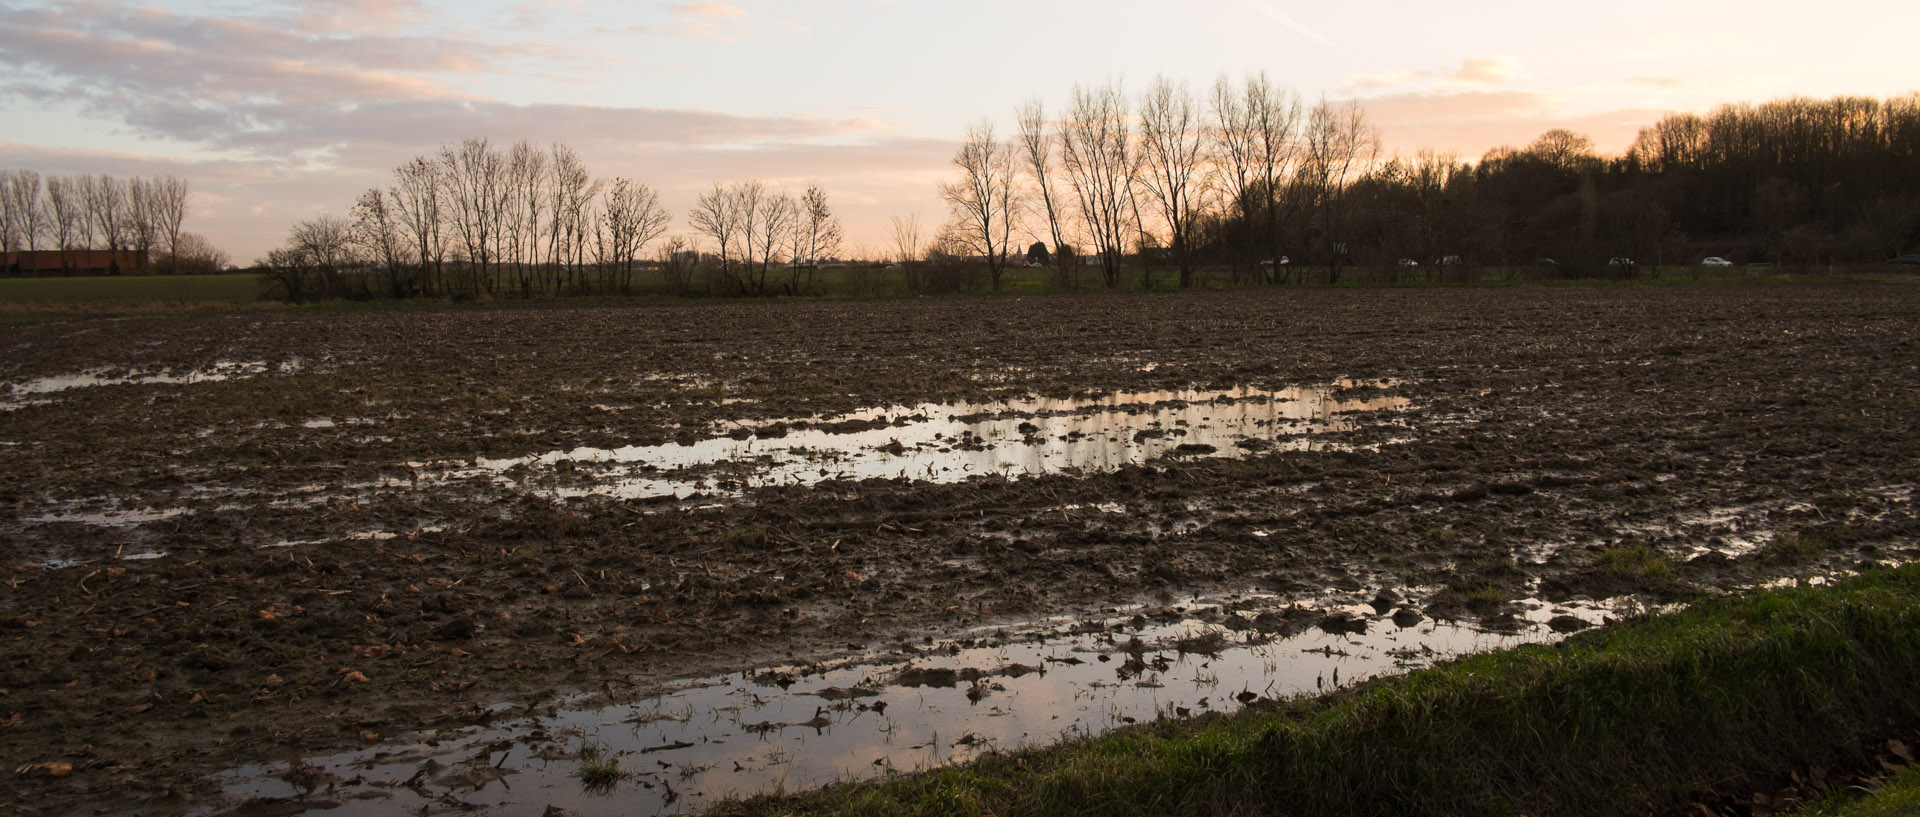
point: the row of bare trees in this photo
(1151, 177)
(756, 230)
(100, 212)
(1249, 178)
(475, 220)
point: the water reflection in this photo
(35, 391)
(951, 442)
(790, 728)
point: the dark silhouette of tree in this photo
(1037, 254)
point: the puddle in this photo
(64, 562)
(111, 518)
(789, 728)
(30, 392)
(952, 442)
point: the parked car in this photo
(1619, 261)
(1715, 261)
(1407, 262)
(1909, 258)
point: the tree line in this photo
(474, 220)
(1251, 182)
(100, 212)
(1247, 184)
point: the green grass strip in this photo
(1728, 694)
(1900, 797)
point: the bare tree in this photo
(66, 215)
(1255, 137)
(417, 197)
(1037, 147)
(9, 214)
(981, 201)
(716, 215)
(1171, 138)
(749, 198)
(775, 216)
(630, 219)
(288, 269)
(572, 192)
(1097, 151)
(676, 257)
(22, 224)
(143, 227)
(106, 201)
(474, 172)
(311, 263)
(1274, 115)
(376, 229)
(525, 195)
(1341, 146)
(169, 210)
(1231, 156)
(193, 253)
(907, 248)
(816, 234)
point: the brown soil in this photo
(1551, 433)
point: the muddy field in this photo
(249, 538)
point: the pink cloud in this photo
(356, 16)
(1472, 72)
(1484, 71)
(707, 21)
(710, 11)
(1471, 123)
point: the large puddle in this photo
(952, 442)
(788, 728)
(39, 390)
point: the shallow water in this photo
(951, 442)
(788, 728)
(36, 390)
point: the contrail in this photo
(1298, 27)
(1301, 29)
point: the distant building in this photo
(78, 262)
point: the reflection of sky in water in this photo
(220, 370)
(736, 735)
(949, 443)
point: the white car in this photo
(1715, 261)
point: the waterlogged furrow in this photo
(942, 443)
(756, 731)
(42, 389)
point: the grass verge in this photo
(1900, 797)
(1728, 694)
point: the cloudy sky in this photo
(278, 111)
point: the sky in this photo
(279, 111)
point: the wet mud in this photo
(255, 540)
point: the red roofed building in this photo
(78, 262)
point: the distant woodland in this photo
(1243, 185)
